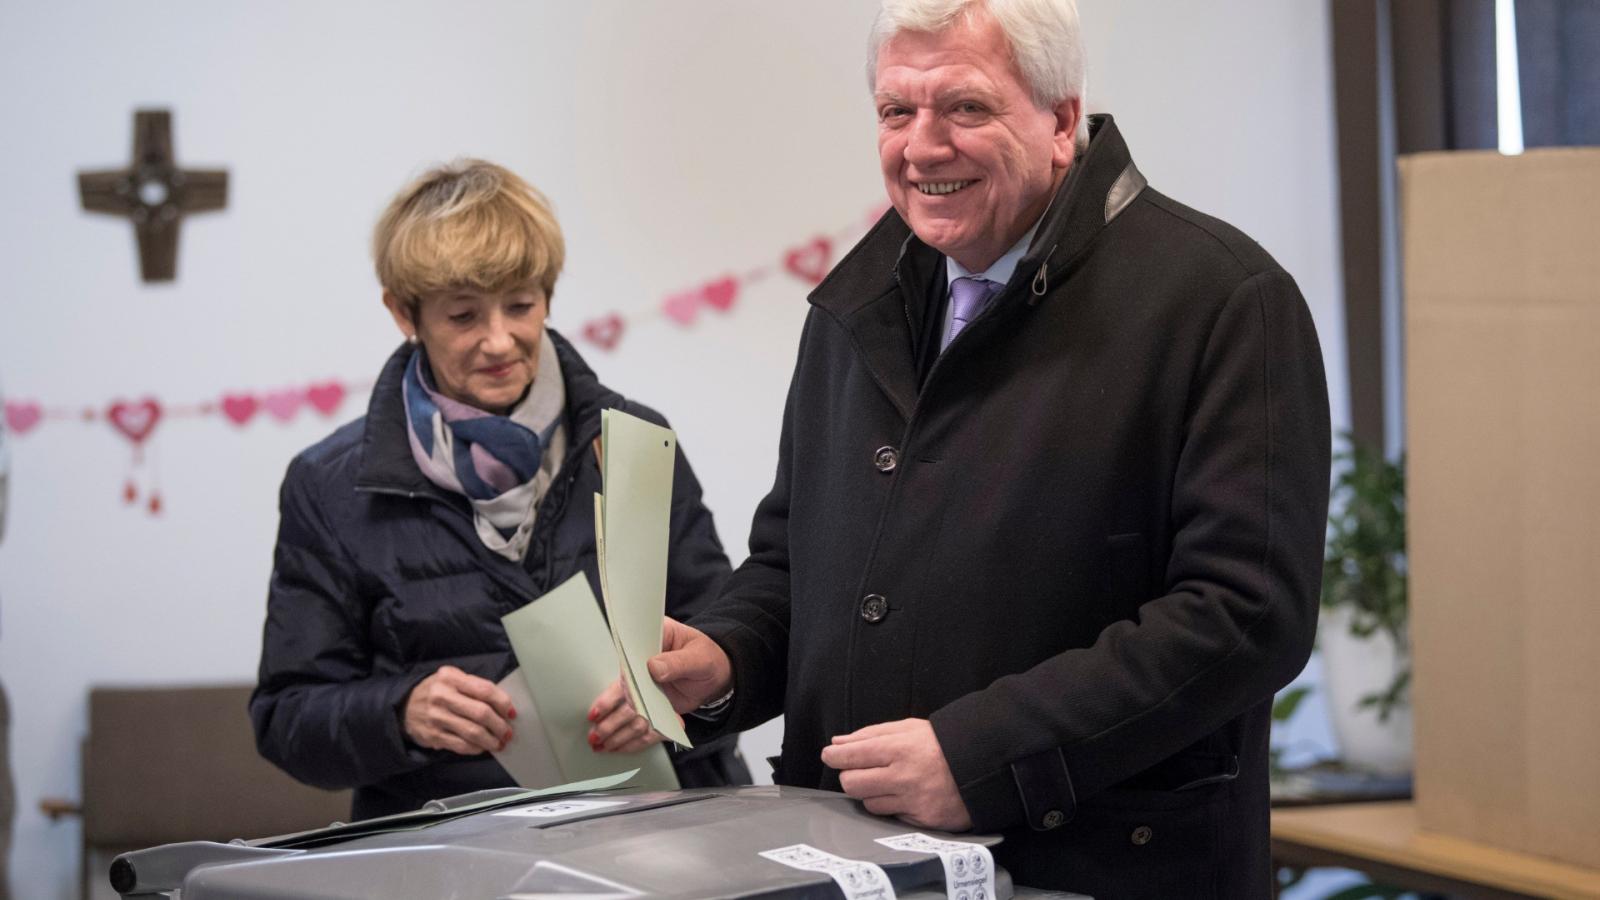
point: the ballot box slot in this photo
(607, 813)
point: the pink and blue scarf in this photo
(502, 464)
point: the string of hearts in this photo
(808, 261)
(136, 420)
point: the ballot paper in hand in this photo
(632, 529)
(565, 660)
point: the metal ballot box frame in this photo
(696, 844)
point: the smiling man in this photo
(1046, 530)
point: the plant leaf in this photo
(1284, 707)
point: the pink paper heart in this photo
(604, 333)
(283, 404)
(326, 396)
(809, 262)
(22, 415)
(239, 408)
(720, 294)
(135, 419)
(681, 308)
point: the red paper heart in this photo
(810, 261)
(239, 408)
(720, 294)
(681, 308)
(326, 397)
(22, 415)
(604, 333)
(135, 419)
(283, 404)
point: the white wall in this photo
(678, 141)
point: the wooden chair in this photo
(168, 764)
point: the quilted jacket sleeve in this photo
(319, 712)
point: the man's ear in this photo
(402, 315)
(1068, 112)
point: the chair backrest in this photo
(167, 764)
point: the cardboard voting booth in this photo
(1502, 322)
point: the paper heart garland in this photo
(604, 333)
(283, 404)
(720, 294)
(136, 419)
(325, 397)
(681, 308)
(22, 415)
(239, 408)
(809, 262)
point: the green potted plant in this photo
(1362, 635)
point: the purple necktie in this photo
(968, 297)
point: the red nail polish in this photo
(594, 715)
(512, 714)
(594, 740)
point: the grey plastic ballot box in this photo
(501, 845)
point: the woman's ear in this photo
(402, 313)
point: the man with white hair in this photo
(1046, 530)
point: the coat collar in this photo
(386, 461)
(866, 291)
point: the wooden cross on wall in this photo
(154, 193)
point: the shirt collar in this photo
(1001, 270)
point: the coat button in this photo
(874, 608)
(1141, 835)
(886, 459)
(1053, 819)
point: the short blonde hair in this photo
(468, 224)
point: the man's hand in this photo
(691, 670)
(899, 769)
(465, 714)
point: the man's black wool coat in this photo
(1085, 542)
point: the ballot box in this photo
(767, 841)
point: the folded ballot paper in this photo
(632, 523)
(564, 654)
(565, 659)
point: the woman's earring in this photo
(411, 339)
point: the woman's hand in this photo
(465, 714)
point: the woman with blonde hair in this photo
(462, 494)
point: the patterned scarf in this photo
(502, 464)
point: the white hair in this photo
(1043, 34)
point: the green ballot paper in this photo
(632, 531)
(566, 659)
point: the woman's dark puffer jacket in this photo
(379, 579)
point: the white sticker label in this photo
(561, 808)
(859, 880)
(968, 868)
